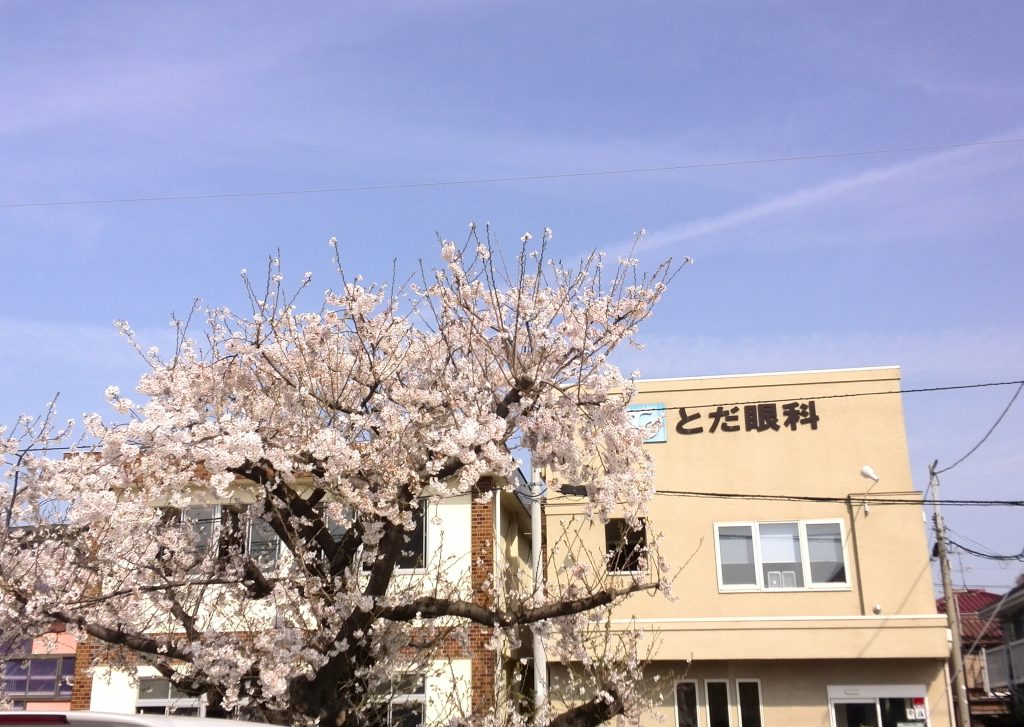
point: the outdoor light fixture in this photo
(869, 472)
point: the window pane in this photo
(15, 676)
(686, 704)
(902, 711)
(204, 520)
(825, 549)
(67, 673)
(406, 684)
(750, 704)
(780, 555)
(736, 549)
(625, 547)
(154, 688)
(718, 704)
(42, 676)
(263, 542)
(414, 549)
(856, 714)
(408, 714)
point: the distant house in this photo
(478, 541)
(978, 634)
(1005, 663)
(38, 673)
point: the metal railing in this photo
(998, 662)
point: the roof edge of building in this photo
(895, 368)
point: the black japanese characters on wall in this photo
(754, 418)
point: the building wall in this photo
(880, 626)
(792, 692)
(461, 545)
(48, 646)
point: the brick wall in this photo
(81, 689)
(482, 660)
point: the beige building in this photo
(806, 595)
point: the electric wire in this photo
(1019, 557)
(857, 499)
(853, 395)
(930, 389)
(496, 180)
(967, 538)
(987, 434)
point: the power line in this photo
(987, 434)
(873, 500)
(1019, 557)
(859, 393)
(968, 538)
(930, 389)
(579, 492)
(497, 180)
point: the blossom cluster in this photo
(325, 429)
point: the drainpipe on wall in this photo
(540, 664)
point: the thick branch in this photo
(135, 642)
(432, 607)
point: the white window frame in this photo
(696, 696)
(197, 703)
(400, 699)
(707, 700)
(217, 522)
(805, 561)
(760, 699)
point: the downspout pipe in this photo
(540, 664)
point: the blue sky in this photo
(910, 258)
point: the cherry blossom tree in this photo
(326, 431)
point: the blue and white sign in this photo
(645, 416)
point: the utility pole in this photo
(959, 685)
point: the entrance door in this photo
(856, 714)
(878, 706)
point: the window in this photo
(825, 552)
(414, 551)
(39, 677)
(718, 703)
(624, 546)
(791, 555)
(158, 696)
(231, 528)
(878, 705)
(749, 693)
(414, 548)
(686, 704)
(264, 546)
(405, 704)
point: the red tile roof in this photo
(972, 627)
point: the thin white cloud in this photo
(923, 169)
